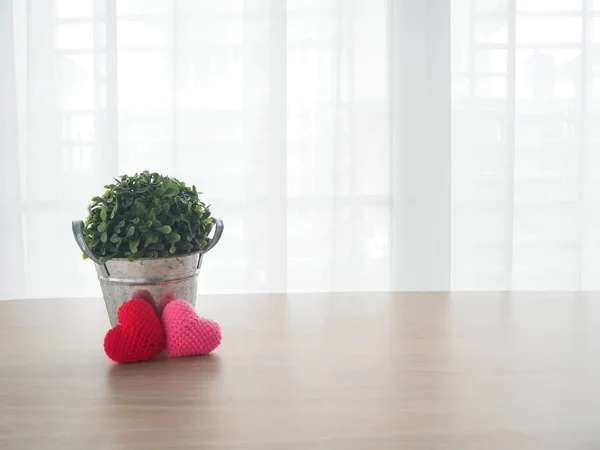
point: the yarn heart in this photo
(187, 333)
(139, 335)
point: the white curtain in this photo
(277, 110)
(348, 144)
(526, 144)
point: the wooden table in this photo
(327, 371)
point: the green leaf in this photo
(173, 237)
(104, 237)
(136, 220)
(172, 249)
(130, 230)
(166, 229)
(115, 238)
(103, 214)
(102, 226)
(133, 246)
(114, 211)
(171, 190)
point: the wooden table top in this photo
(317, 371)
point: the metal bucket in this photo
(119, 277)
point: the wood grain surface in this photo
(318, 371)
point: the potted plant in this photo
(147, 231)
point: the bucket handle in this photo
(77, 226)
(215, 239)
(217, 236)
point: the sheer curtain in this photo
(526, 144)
(348, 144)
(277, 110)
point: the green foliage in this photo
(147, 216)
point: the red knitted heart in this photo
(139, 335)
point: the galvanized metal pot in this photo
(119, 277)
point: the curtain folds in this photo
(348, 144)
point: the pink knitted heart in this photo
(188, 334)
